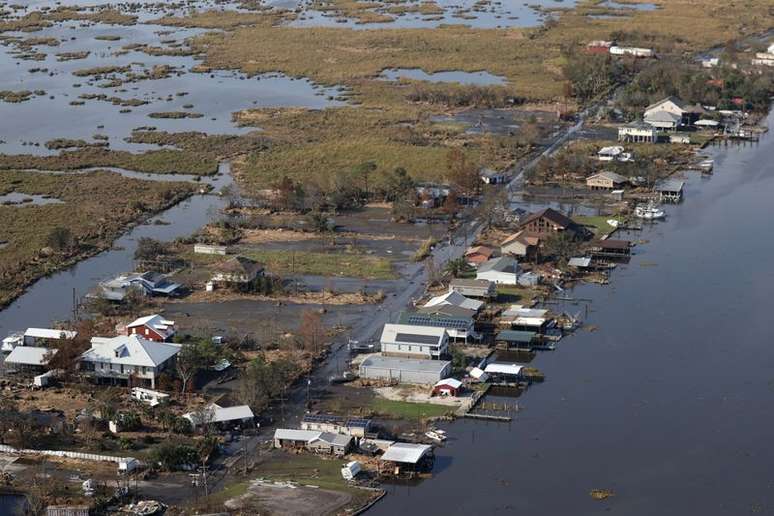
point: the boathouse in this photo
(670, 190)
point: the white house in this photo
(217, 415)
(29, 358)
(664, 120)
(34, 336)
(631, 51)
(119, 358)
(670, 104)
(414, 341)
(456, 299)
(637, 132)
(503, 271)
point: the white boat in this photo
(435, 436)
(612, 223)
(649, 212)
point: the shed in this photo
(331, 444)
(350, 470)
(473, 287)
(447, 387)
(404, 370)
(406, 453)
(516, 338)
(605, 180)
(580, 262)
(503, 369)
(215, 414)
(34, 335)
(292, 438)
(29, 358)
(670, 190)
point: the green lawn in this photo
(324, 264)
(407, 410)
(508, 294)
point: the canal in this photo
(668, 403)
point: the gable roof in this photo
(451, 382)
(447, 311)
(483, 250)
(291, 434)
(522, 237)
(501, 264)
(45, 333)
(456, 299)
(662, 116)
(470, 283)
(160, 325)
(29, 355)
(552, 215)
(408, 453)
(612, 176)
(333, 439)
(240, 265)
(130, 350)
(674, 100)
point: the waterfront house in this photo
(516, 338)
(663, 120)
(355, 427)
(128, 359)
(152, 327)
(412, 340)
(456, 299)
(29, 359)
(447, 387)
(458, 322)
(223, 417)
(518, 317)
(549, 221)
(610, 248)
(240, 271)
(670, 190)
(637, 132)
(502, 271)
(44, 336)
(505, 371)
(475, 256)
(404, 370)
(146, 284)
(473, 287)
(409, 456)
(606, 180)
(669, 104)
(329, 443)
(521, 245)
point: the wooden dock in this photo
(487, 417)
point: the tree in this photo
(364, 170)
(261, 381)
(461, 172)
(457, 267)
(398, 185)
(149, 249)
(562, 246)
(194, 356)
(311, 331)
(60, 239)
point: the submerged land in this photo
(351, 158)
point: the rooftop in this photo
(412, 333)
(45, 333)
(500, 264)
(406, 364)
(552, 215)
(130, 350)
(29, 355)
(456, 299)
(407, 453)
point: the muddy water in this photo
(50, 299)
(476, 78)
(669, 402)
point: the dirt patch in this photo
(418, 395)
(328, 298)
(283, 498)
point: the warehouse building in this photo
(404, 370)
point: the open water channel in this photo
(669, 402)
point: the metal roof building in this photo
(404, 370)
(406, 453)
(414, 340)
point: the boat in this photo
(435, 436)
(649, 212)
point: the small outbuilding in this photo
(477, 288)
(606, 180)
(447, 387)
(29, 359)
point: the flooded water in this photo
(668, 403)
(481, 78)
(22, 199)
(50, 299)
(611, 4)
(506, 13)
(80, 107)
